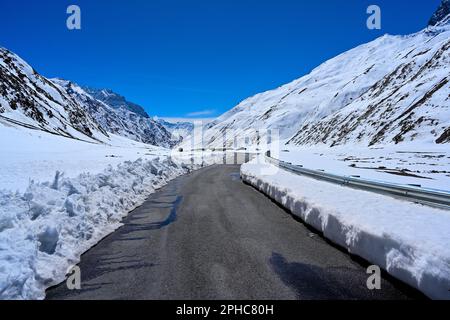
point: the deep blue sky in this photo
(178, 57)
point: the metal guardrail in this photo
(431, 197)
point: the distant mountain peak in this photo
(441, 13)
(116, 100)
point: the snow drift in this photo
(44, 230)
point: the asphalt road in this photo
(208, 235)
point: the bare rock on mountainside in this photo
(441, 13)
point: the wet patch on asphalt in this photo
(235, 176)
(311, 282)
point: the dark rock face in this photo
(442, 12)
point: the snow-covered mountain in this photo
(114, 113)
(27, 99)
(392, 90)
(62, 107)
(179, 129)
(115, 100)
(441, 14)
(175, 125)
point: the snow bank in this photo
(409, 241)
(44, 230)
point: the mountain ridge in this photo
(441, 15)
(61, 107)
(120, 119)
(115, 100)
(390, 90)
(31, 100)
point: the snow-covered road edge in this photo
(44, 231)
(409, 255)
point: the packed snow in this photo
(408, 240)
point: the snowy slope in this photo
(391, 90)
(409, 103)
(30, 100)
(120, 119)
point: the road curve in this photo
(207, 235)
